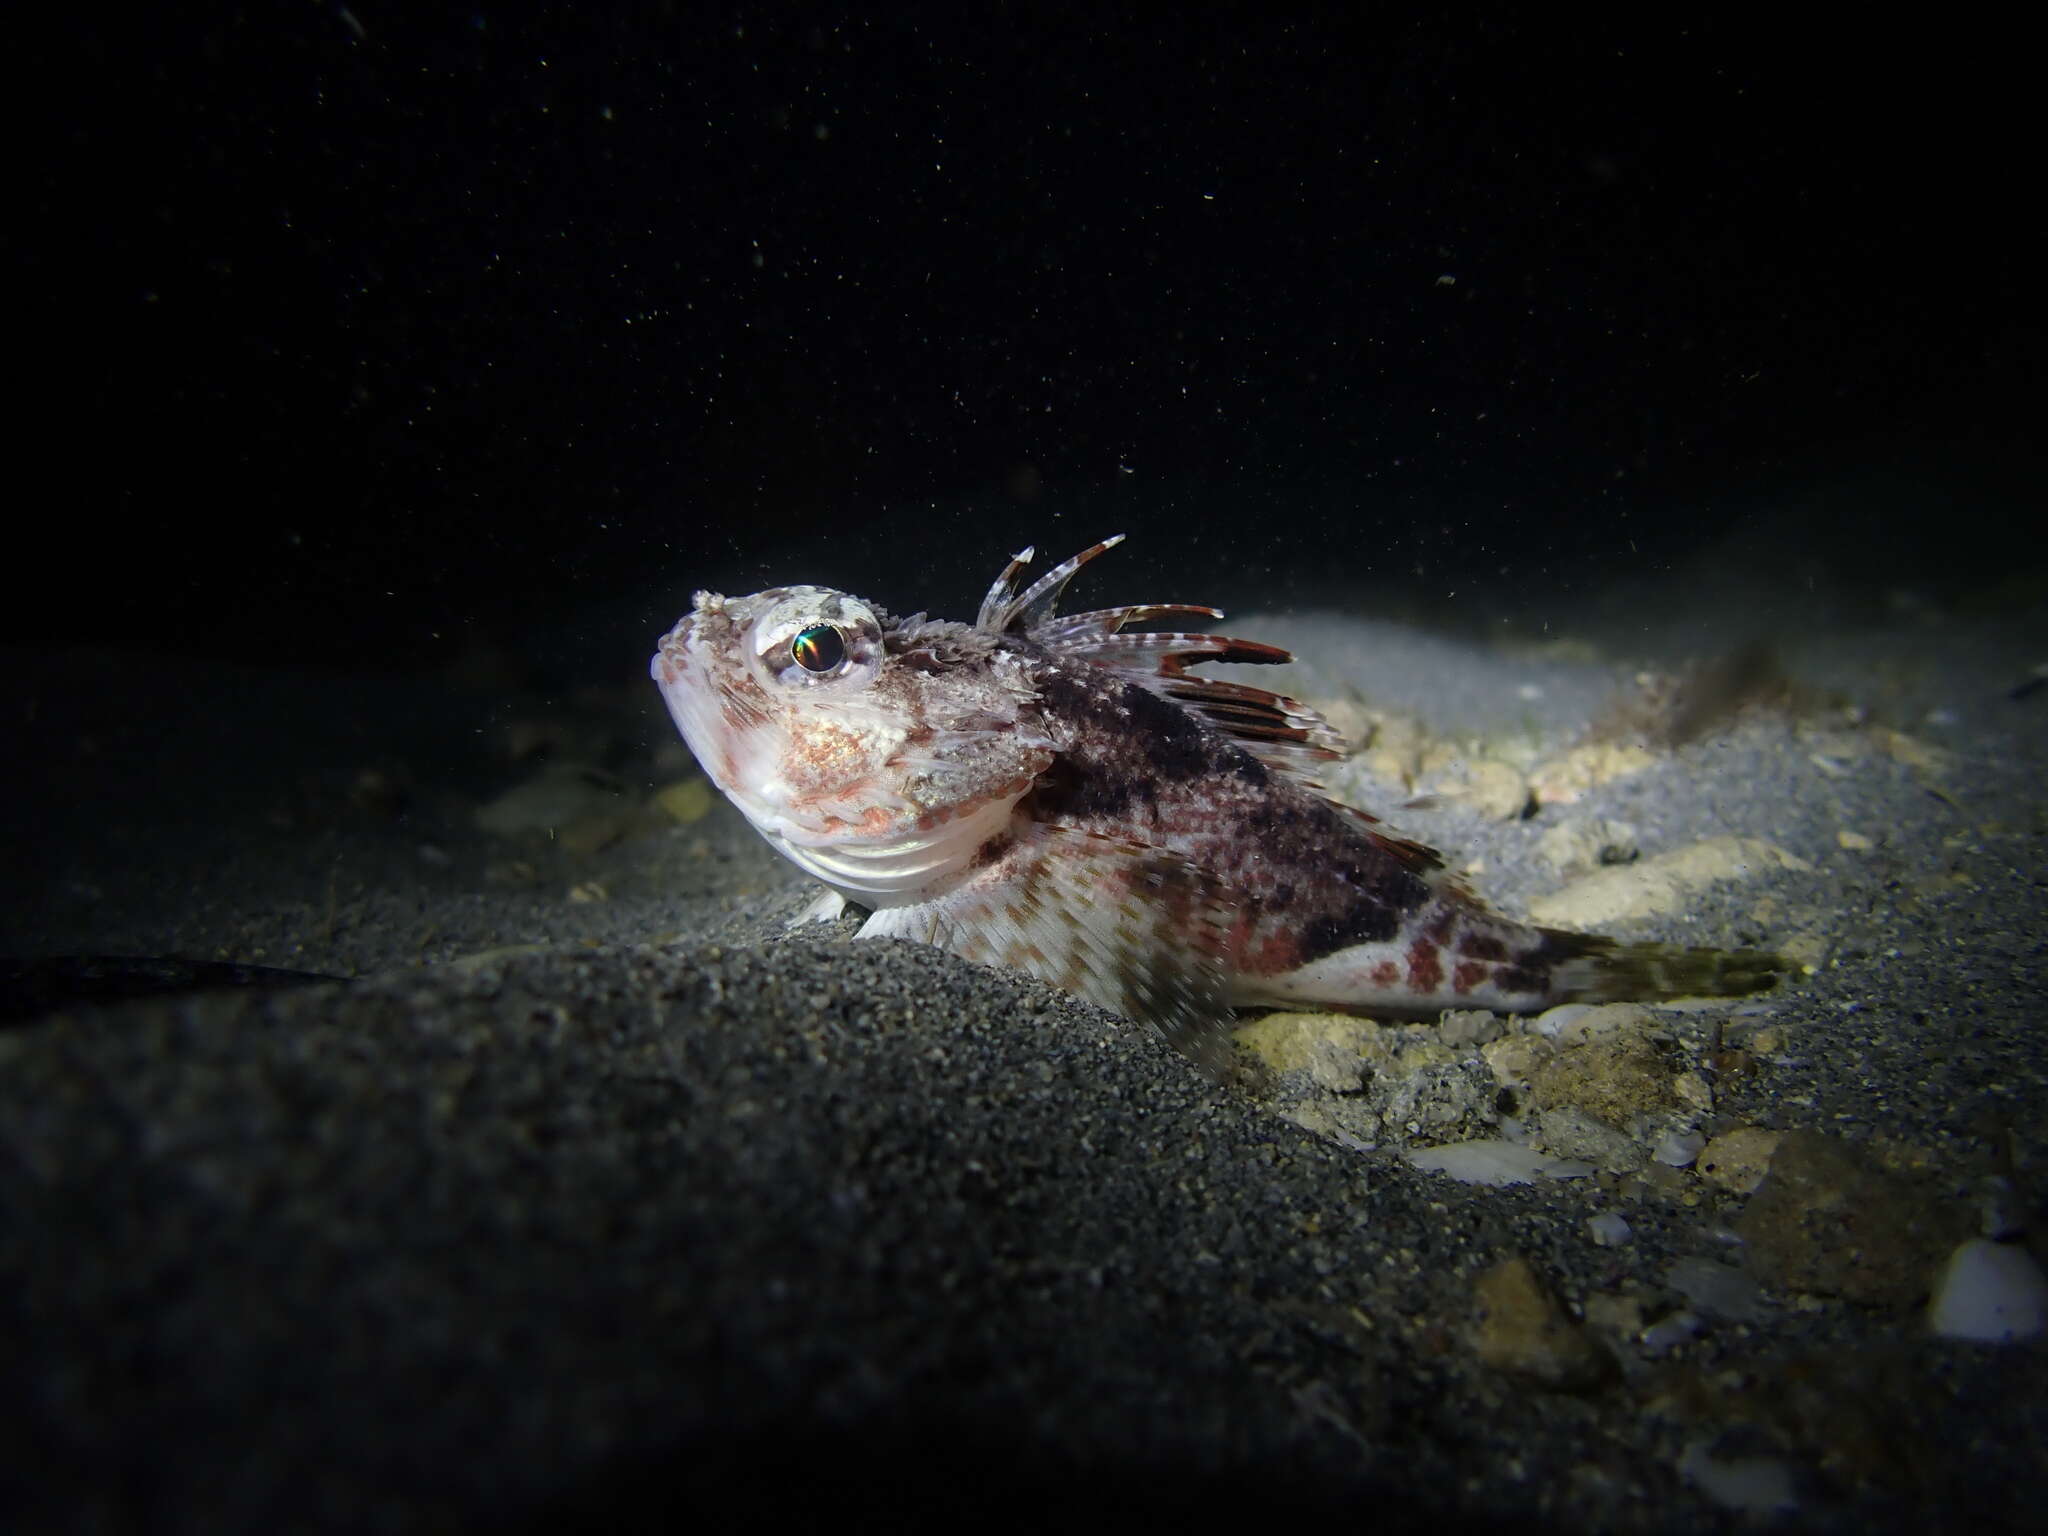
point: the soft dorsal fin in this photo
(1283, 733)
(1098, 637)
(1419, 857)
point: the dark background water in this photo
(357, 336)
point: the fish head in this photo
(880, 755)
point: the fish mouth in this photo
(706, 696)
(672, 655)
(691, 633)
(699, 655)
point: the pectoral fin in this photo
(1132, 927)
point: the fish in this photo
(1059, 794)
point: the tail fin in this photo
(1603, 970)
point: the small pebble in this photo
(1716, 1289)
(1610, 1229)
(1693, 1089)
(1678, 1149)
(1666, 1335)
(1470, 1027)
(1549, 1022)
(1754, 1485)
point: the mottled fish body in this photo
(1058, 794)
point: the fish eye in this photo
(818, 648)
(812, 637)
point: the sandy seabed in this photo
(592, 1194)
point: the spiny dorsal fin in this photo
(1283, 733)
(1005, 609)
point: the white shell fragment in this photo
(1495, 1163)
(1752, 1485)
(1991, 1293)
(1679, 1149)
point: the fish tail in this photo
(1601, 970)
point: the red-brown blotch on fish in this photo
(1059, 795)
